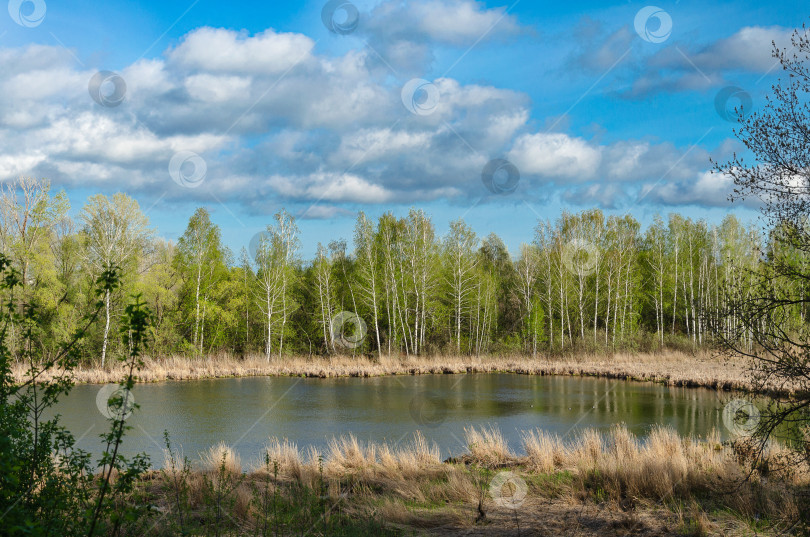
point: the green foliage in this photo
(536, 322)
(47, 487)
(588, 282)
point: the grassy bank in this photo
(593, 484)
(670, 368)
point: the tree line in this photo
(587, 281)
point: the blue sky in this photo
(590, 107)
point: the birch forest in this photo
(587, 281)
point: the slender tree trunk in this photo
(106, 327)
(376, 318)
(675, 286)
(247, 314)
(283, 319)
(202, 326)
(268, 348)
(458, 321)
(197, 305)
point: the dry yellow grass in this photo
(670, 368)
(221, 458)
(285, 456)
(661, 464)
(487, 446)
(656, 482)
(544, 452)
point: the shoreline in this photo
(669, 368)
(663, 484)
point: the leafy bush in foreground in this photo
(47, 486)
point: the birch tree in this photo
(370, 272)
(656, 258)
(325, 284)
(116, 233)
(527, 269)
(276, 258)
(461, 260)
(199, 257)
(28, 214)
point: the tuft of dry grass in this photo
(587, 449)
(221, 458)
(544, 452)
(286, 458)
(347, 455)
(488, 447)
(418, 457)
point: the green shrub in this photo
(47, 486)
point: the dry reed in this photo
(662, 463)
(221, 458)
(670, 367)
(488, 446)
(661, 469)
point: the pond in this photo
(245, 412)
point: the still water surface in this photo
(245, 412)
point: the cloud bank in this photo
(275, 122)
